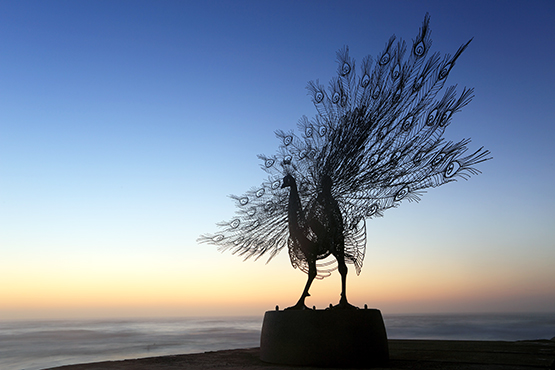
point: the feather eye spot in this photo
(418, 157)
(419, 49)
(418, 83)
(431, 117)
(269, 163)
(452, 169)
(244, 201)
(218, 238)
(269, 206)
(445, 117)
(407, 123)
(385, 59)
(287, 159)
(445, 71)
(396, 72)
(397, 95)
(372, 209)
(365, 81)
(322, 130)
(302, 154)
(251, 211)
(438, 159)
(276, 184)
(318, 97)
(287, 140)
(345, 69)
(235, 223)
(335, 97)
(260, 192)
(308, 132)
(376, 93)
(401, 194)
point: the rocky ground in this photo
(404, 354)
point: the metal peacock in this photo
(375, 141)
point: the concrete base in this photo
(325, 338)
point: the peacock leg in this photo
(342, 267)
(300, 305)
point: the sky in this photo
(125, 125)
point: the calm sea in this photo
(34, 345)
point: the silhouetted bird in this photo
(375, 141)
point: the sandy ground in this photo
(404, 354)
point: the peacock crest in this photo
(375, 141)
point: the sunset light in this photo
(125, 126)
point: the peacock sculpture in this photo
(376, 141)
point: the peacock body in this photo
(376, 141)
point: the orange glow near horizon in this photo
(78, 289)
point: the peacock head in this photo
(288, 181)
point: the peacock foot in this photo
(344, 305)
(298, 306)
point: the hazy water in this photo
(509, 327)
(34, 345)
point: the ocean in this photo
(34, 345)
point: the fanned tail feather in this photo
(378, 135)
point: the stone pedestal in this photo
(325, 338)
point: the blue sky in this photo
(125, 125)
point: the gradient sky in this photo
(124, 125)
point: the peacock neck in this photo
(294, 208)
